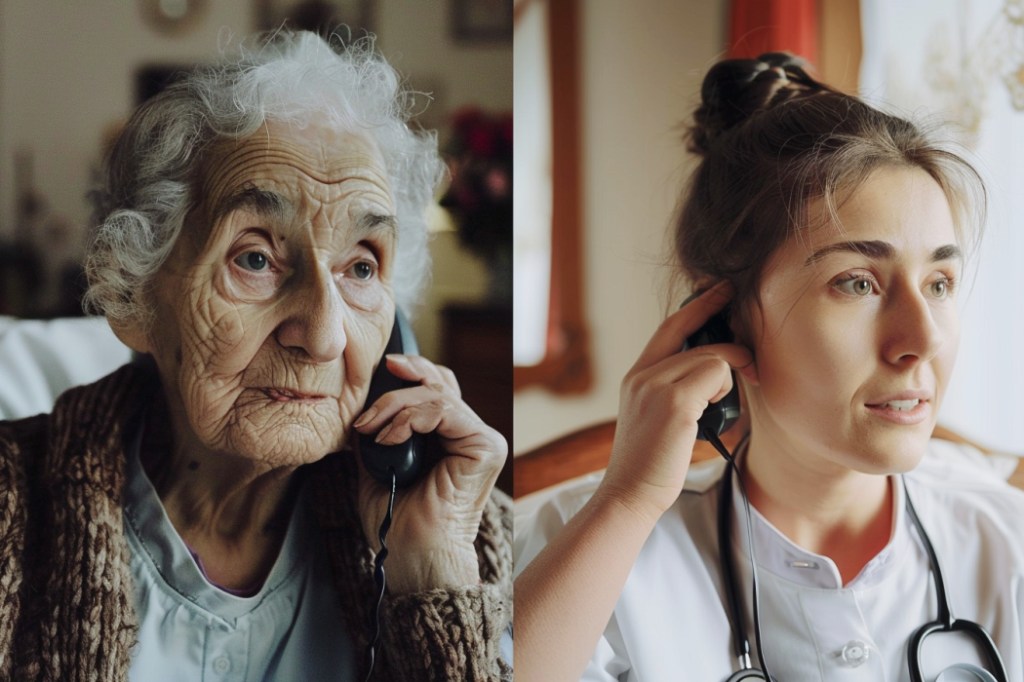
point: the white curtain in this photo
(962, 61)
(531, 178)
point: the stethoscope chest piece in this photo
(965, 672)
(945, 623)
(960, 672)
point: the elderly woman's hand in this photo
(437, 519)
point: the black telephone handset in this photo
(404, 459)
(721, 415)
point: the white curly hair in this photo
(151, 172)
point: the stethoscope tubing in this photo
(741, 645)
(944, 623)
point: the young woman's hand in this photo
(436, 520)
(661, 398)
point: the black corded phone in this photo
(405, 459)
(394, 466)
(719, 416)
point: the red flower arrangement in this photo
(479, 198)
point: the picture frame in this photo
(321, 16)
(482, 21)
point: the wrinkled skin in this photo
(270, 316)
(263, 304)
(266, 304)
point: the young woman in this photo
(832, 238)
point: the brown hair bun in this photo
(771, 140)
(736, 89)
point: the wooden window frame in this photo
(566, 366)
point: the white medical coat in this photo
(670, 622)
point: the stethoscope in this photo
(961, 672)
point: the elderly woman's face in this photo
(276, 302)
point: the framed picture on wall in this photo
(321, 16)
(482, 20)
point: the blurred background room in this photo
(606, 88)
(71, 73)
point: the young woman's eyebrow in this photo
(879, 250)
(947, 252)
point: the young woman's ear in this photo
(741, 322)
(749, 373)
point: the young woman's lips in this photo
(904, 410)
(286, 395)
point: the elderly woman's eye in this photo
(363, 270)
(254, 261)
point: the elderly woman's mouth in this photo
(285, 395)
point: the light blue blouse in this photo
(292, 629)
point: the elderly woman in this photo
(200, 514)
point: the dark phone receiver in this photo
(719, 416)
(404, 459)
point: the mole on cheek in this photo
(178, 356)
(193, 465)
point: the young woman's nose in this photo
(315, 323)
(912, 332)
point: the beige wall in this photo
(66, 75)
(840, 47)
(642, 63)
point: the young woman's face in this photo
(858, 330)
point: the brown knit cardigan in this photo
(66, 597)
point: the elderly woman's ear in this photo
(133, 333)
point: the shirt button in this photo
(221, 665)
(855, 653)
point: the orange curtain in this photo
(758, 26)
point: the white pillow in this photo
(40, 359)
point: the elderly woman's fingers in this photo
(413, 368)
(440, 516)
(423, 409)
(392, 402)
(419, 418)
(426, 409)
(451, 420)
(417, 368)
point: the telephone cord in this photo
(379, 576)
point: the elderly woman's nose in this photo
(315, 321)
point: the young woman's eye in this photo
(253, 261)
(363, 270)
(941, 288)
(858, 285)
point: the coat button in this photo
(855, 653)
(221, 665)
